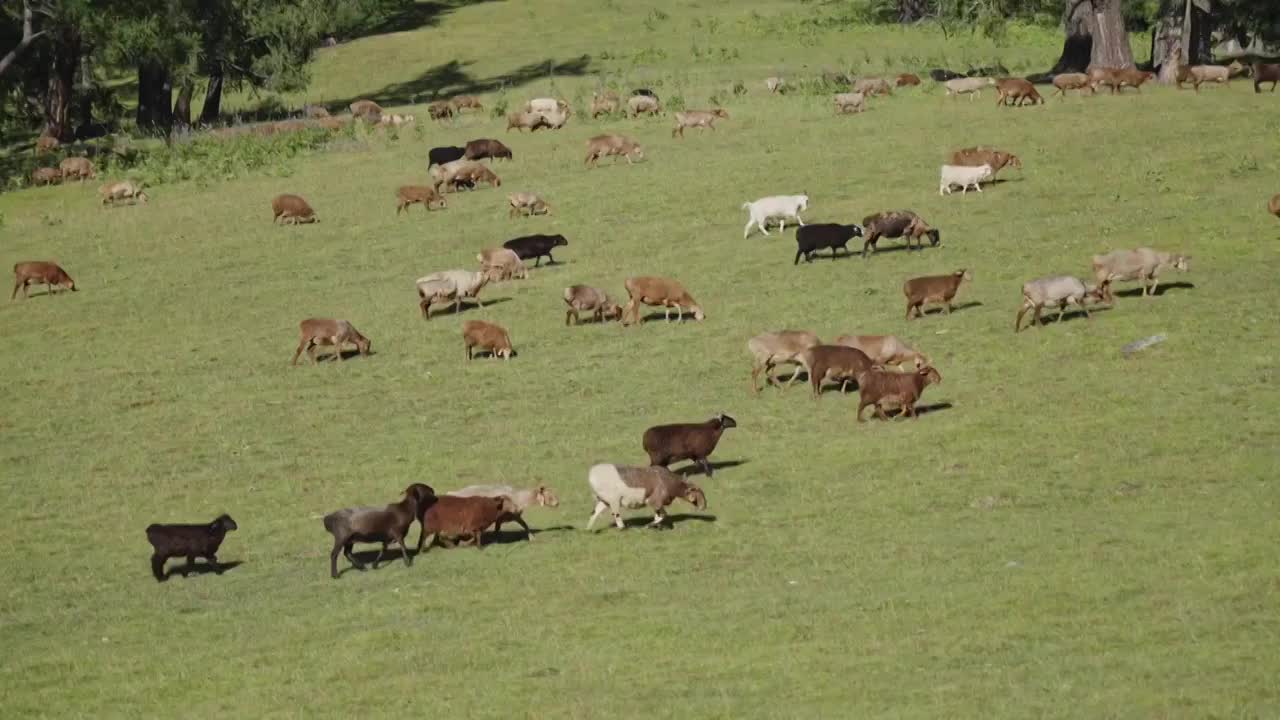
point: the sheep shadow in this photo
(899, 247)
(201, 568)
(940, 310)
(688, 317)
(324, 355)
(512, 534)
(695, 469)
(1047, 318)
(452, 309)
(897, 413)
(671, 521)
(1160, 289)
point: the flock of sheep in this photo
(875, 363)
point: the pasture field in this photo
(1065, 533)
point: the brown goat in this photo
(979, 156)
(906, 79)
(894, 224)
(46, 176)
(833, 362)
(451, 516)
(875, 387)
(291, 209)
(1265, 72)
(39, 271)
(407, 195)
(327, 331)
(658, 292)
(486, 337)
(933, 289)
(1062, 82)
(1018, 90)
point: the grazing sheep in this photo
(884, 350)
(1017, 90)
(906, 79)
(1132, 77)
(666, 444)
(1062, 82)
(770, 349)
(486, 148)
(314, 112)
(875, 387)
(697, 119)
(811, 238)
(77, 168)
(1060, 290)
(971, 86)
(451, 175)
(658, 292)
(584, 298)
(965, 177)
(1265, 72)
(502, 264)
(643, 104)
(46, 144)
(833, 362)
(450, 517)
(328, 331)
(847, 103)
(618, 487)
(896, 224)
(871, 87)
(440, 109)
(125, 189)
(939, 289)
(35, 272)
(446, 285)
(521, 499)
(1237, 69)
(367, 109)
(535, 247)
(522, 121)
(407, 195)
(527, 203)
(612, 144)
(979, 156)
(384, 525)
(1141, 264)
(1273, 207)
(447, 154)
(774, 206)
(480, 336)
(46, 176)
(1104, 76)
(775, 84)
(466, 102)
(291, 209)
(1198, 74)
(189, 541)
(607, 104)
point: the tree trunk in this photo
(155, 98)
(1095, 35)
(212, 100)
(62, 77)
(1197, 33)
(182, 108)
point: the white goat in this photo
(775, 206)
(970, 86)
(964, 177)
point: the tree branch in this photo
(28, 36)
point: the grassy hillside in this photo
(1066, 533)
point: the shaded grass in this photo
(1077, 535)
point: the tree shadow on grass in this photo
(201, 568)
(695, 469)
(1160, 289)
(415, 16)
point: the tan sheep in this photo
(291, 209)
(123, 190)
(527, 203)
(612, 144)
(658, 292)
(407, 195)
(481, 336)
(698, 119)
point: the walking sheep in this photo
(619, 487)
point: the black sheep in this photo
(386, 525)
(442, 155)
(486, 148)
(190, 541)
(942, 75)
(811, 238)
(644, 91)
(666, 444)
(535, 247)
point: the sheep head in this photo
(725, 421)
(224, 523)
(546, 498)
(698, 314)
(363, 344)
(930, 375)
(695, 496)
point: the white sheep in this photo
(522, 499)
(450, 285)
(619, 486)
(774, 206)
(970, 86)
(1060, 290)
(964, 177)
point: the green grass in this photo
(1076, 535)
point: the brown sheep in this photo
(440, 109)
(933, 289)
(487, 337)
(605, 104)
(466, 102)
(833, 362)
(46, 176)
(1265, 72)
(979, 156)
(1132, 77)
(125, 189)
(315, 112)
(366, 109)
(327, 331)
(612, 144)
(583, 298)
(666, 444)
(895, 224)
(1018, 90)
(1104, 76)
(36, 272)
(450, 517)
(77, 168)
(486, 148)
(1273, 207)
(407, 195)
(46, 144)
(871, 87)
(1062, 82)
(656, 291)
(291, 209)
(906, 79)
(877, 386)
(697, 119)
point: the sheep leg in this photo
(880, 412)
(795, 374)
(679, 313)
(212, 559)
(1017, 322)
(799, 219)
(528, 532)
(157, 567)
(478, 539)
(601, 506)
(380, 553)
(191, 563)
(16, 285)
(311, 352)
(301, 346)
(333, 560)
(659, 518)
(1155, 281)
(1035, 320)
(755, 377)
(706, 466)
(337, 347)
(404, 551)
(861, 406)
